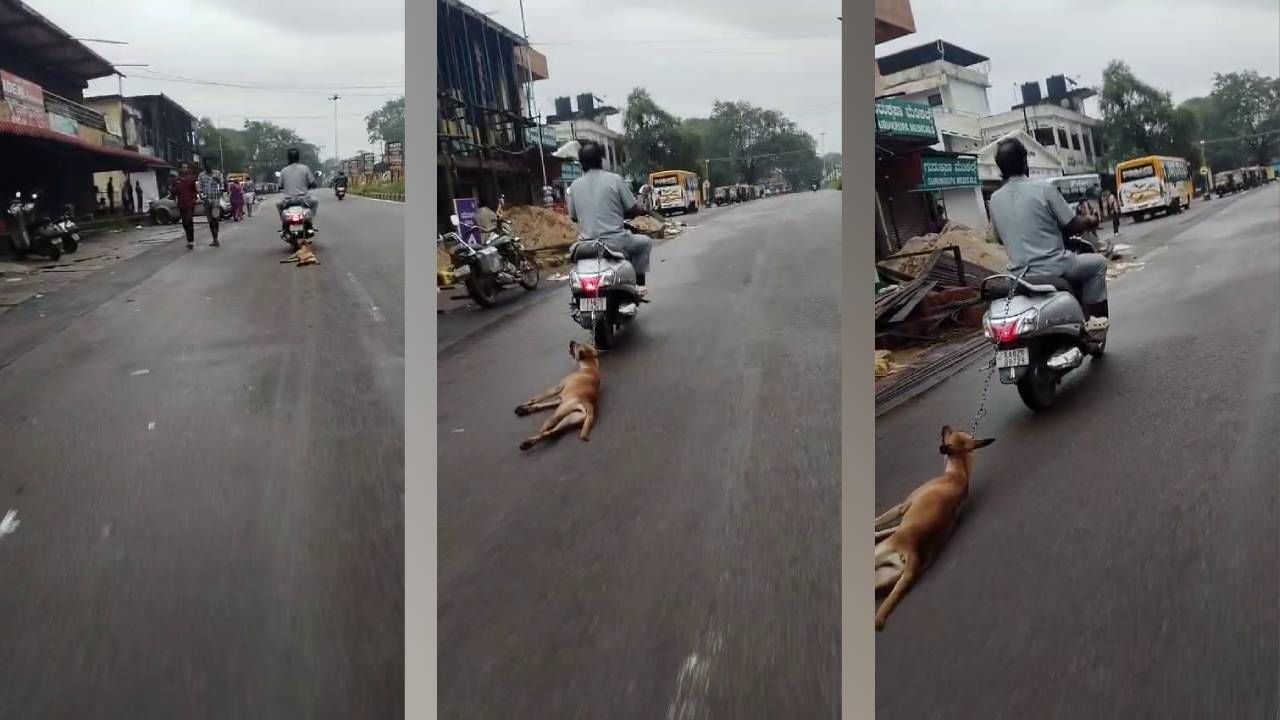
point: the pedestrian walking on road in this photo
(185, 192)
(137, 196)
(250, 196)
(237, 202)
(210, 185)
(126, 198)
(1113, 205)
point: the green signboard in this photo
(908, 120)
(940, 172)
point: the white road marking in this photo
(393, 202)
(693, 681)
(10, 523)
(374, 312)
(151, 425)
(143, 371)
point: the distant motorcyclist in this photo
(340, 181)
(296, 181)
(600, 202)
(1030, 219)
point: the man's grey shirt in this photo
(598, 202)
(1028, 216)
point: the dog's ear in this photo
(982, 443)
(573, 349)
(946, 433)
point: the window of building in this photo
(1044, 136)
(935, 100)
(1062, 139)
(1075, 141)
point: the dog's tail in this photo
(911, 565)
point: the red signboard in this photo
(18, 91)
(21, 114)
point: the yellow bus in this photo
(1152, 184)
(674, 190)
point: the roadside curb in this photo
(389, 197)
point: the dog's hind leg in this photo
(892, 514)
(880, 534)
(899, 588)
(554, 426)
(587, 424)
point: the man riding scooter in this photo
(296, 181)
(340, 185)
(600, 202)
(1031, 219)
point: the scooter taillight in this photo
(590, 285)
(1004, 331)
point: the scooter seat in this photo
(594, 251)
(998, 288)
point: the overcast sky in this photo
(1175, 45)
(778, 55)
(354, 49)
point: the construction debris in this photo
(540, 228)
(974, 248)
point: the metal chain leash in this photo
(991, 365)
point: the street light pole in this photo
(335, 100)
(528, 62)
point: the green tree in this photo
(1247, 108)
(756, 142)
(223, 147)
(387, 123)
(1138, 119)
(654, 140)
(268, 145)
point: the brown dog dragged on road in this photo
(928, 516)
(574, 399)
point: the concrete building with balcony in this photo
(952, 83)
(51, 142)
(484, 73)
(1057, 120)
(589, 122)
(152, 125)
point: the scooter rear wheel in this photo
(1038, 388)
(603, 335)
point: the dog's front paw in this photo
(521, 411)
(526, 444)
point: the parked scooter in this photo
(603, 294)
(1037, 326)
(30, 233)
(496, 262)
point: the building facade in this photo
(1058, 122)
(483, 76)
(589, 122)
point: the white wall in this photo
(965, 206)
(967, 97)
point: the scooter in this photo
(491, 264)
(296, 224)
(1037, 326)
(340, 191)
(603, 294)
(29, 234)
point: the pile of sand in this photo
(646, 225)
(974, 248)
(541, 228)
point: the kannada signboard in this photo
(20, 91)
(907, 120)
(942, 172)
(395, 154)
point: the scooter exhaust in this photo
(1068, 359)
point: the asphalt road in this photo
(204, 450)
(1119, 556)
(685, 562)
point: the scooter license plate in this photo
(1017, 357)
(595, 304)
(295, 228)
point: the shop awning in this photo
(108, 158)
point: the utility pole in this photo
(335, 100)
(528, 62)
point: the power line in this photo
(691, 41)
(164, 77)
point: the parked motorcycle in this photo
(1037, 326)
(296, 224)
(496, 262)
(603, 294)
(30, 233)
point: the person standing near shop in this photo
(185, 192)
(1113, 206)
(137, 197)
(111, 196)
(210, 186)
(126, 198)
